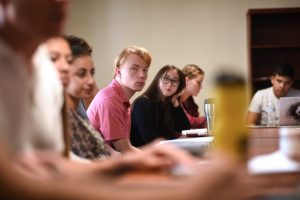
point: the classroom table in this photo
(262, 140)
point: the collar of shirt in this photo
(120, 92)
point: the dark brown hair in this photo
(284, 69)
(78, 46)
(154, 93)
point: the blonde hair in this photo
(139, 51)
(191, 71)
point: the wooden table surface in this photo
(261, 141)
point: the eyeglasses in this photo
(166, 80)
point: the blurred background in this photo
(209, 33)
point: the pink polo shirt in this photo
(109, 112)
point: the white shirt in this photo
(262, 98)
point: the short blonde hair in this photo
(139, 51)
(191, 71)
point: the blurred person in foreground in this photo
(24, 25)
(24, 22)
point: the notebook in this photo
(289, 111)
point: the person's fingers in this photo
(169, 151)
(177, 155)
(157, 157)
(164, 156)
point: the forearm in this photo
(197, 122)
(124, 145)
(253, 118)
(112, 151)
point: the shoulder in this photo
(265, 91)
(191, 100)
(142, 99)
(143, 102)
(107, 92)
(104, 100)
(106, 95)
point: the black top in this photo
(147, 119)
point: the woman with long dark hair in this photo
(157, 113)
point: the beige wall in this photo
(209, 33)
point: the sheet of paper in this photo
(196, 132)
(275, 162)
(195, 145)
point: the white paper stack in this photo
(195, 145)
(195, 132)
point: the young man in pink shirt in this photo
(109, 111)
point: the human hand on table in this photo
(162, 157)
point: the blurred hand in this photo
(224, 177)
(161, 157)
(39, 165)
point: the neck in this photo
(184, 96)
(275, 94)
(72, 102)
(128, 92)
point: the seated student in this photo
(194, 76)
(157, 113)
(83, 51)
(86, 141)
(44, 165)
(20, 35)
(282, 81)
(109, 111)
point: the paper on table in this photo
(275, 162)
(195, 145)
(197, 132)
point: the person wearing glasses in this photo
(157, 113)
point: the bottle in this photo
(209, 110)
(231, 135)
(270, 112)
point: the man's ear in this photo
(272, 79)
(187, 80)
(117, 71)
